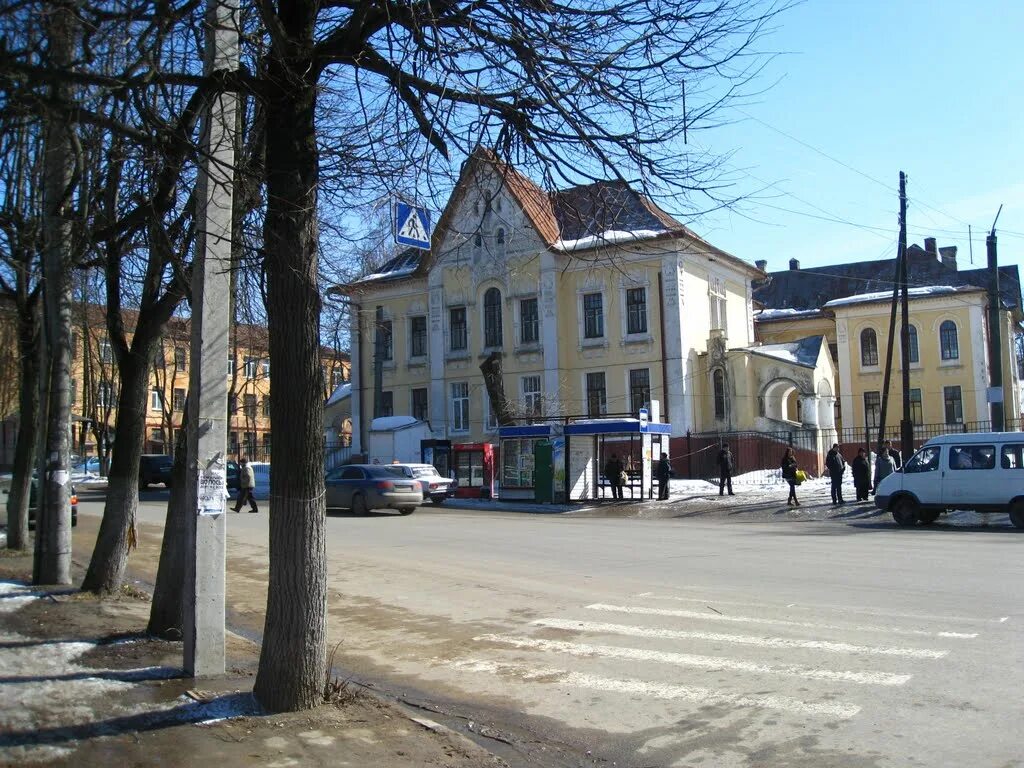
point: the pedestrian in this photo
(885, 465)
(836, 465)
(897, 459)
(789, 470)
(246, 485)
(861, 468)
(662, 472)
(612, 472)
(725, 470)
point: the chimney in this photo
(929, 247)
(948, 256)
(794, 264)
(762, 264)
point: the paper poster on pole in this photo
(213, 489)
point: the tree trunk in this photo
(52, 561)
(293, 665)
(117, 533)
(166, 613)
(28, 428)
(495, 384)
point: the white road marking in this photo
(692, 660)
(820, 607)
(647, 689)
(764, 642)
(775, 622)
(1005, 618)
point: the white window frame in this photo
(718, 305)
(460, 404)
(104, 395)
(517, 319)
(156, 399)
(250, 367)
(596, 341)
(231, 365)
(265, 367)
(586, 395)
(624, 289)
(106, 352)
(533, 398)
(490, 420)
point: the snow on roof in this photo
(802, 352)
(339, 394)
(608, 237)
(867, 298)
(766, 315)
(391, 423)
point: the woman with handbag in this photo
(789, 471)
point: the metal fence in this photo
(695, 456)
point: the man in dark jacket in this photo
(836, 465)
(861, 474)
(725, 470)
(612, 471)
(662, 472)
(897, 459)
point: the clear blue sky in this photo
(935, 89)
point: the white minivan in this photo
(981, 471)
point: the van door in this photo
(921, 476)
(970, 478)
(1011, 471)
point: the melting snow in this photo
(608, 237)
(929, 290)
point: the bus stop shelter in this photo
(590, 442)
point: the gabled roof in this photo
(812, 288)
(572, 220)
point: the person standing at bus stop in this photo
(612, 473)
(663, 472)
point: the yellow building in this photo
(596, 302)
(247, 379)
(949, 332)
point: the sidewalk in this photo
(82, 685)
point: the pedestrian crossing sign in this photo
(412, 226)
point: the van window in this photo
(1013, 456)
(972, 457)
(925, 460)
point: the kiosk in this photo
(474, 465)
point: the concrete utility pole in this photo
(906, 425)
(995, 351)
(207, 431)
(898, 277)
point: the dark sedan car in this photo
(155, 468)
(362, 487)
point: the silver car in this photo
(362, 487)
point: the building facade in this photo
(595, 301)
(948, 350)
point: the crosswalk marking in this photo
(682, 614)
(765, 642)
(692, 660)
(650, 689)
(820, 607)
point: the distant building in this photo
(949, 330)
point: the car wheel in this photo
(406, 511)
(904, 511)
(927, 517)
(1017, 514)
(359, 505)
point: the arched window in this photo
(948, 342)
(718, 383)
(499, 242)
(913, 350)
(868, 347)
(492, 318)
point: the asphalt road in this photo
(653, 642)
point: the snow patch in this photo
(785, 314)
(608, 237)
(389, 423)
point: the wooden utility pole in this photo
(906, 425)
(995, 351)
